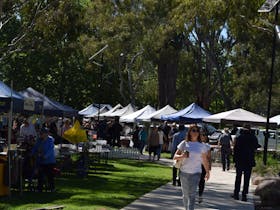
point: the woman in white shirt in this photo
(193, 153)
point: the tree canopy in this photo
(215, 53)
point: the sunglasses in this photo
(195, 130)
(203, 134)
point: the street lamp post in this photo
(101, 65)
(268, 6)
(99, 87)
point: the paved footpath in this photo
(216, 195)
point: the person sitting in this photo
(43, 150)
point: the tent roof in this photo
(135, 115)
(115, 108)
(124, 111)
(275, 119)
(236, 116)
(191, 114)
(92, 109)
(102, 110)
(88, 110)
(5, 97)
(50, 106)
(5, 92)
(157, 114)
(146, 114)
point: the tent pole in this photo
(9, 139)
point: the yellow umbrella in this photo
(75, 134)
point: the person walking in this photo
(244, 158)
(161, 141)
(201, 185)
(177, 139)
(225, 142)
(142, 138)
(193, 154)
(153, 142)
(116, 132)
(172, 131)
(135, 137)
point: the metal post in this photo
(9, 141)
(270, 89)
(99, 87)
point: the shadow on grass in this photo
(114, 186)
(33, 197)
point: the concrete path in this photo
(216, 195)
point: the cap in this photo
(44, 130)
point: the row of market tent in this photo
(30, 100)
(191, 114)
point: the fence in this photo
(124, 152)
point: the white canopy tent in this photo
(275, 119)
(104, 109)
(93, 108)
(157, 114)
(115, 108)
(121, 112)
(130, 118)
(237, 116)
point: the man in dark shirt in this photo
(177, 138)
(244, 157)
(225, 142)
(116, 132)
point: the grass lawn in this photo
(165, 155)
(109, 187)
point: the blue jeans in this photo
(189, 183)
(159, 151)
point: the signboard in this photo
(29, 104)
(268, 5)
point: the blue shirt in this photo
(44, 151)
(177, 138)
(142, 135)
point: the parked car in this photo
(214, 137)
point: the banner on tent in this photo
(29, 104)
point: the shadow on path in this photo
(216, 196)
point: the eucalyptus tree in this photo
(118, 24)
(251, 62)
(41, 47)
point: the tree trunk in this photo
(167, 76)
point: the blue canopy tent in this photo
(50, 107)
(5, 99)
(191, 114)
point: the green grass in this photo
(110, 187)
(272, 168)
(165, 155)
